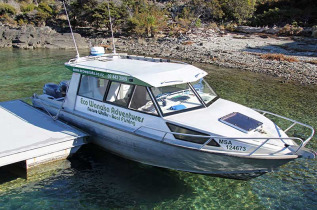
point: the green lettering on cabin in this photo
(106, 75)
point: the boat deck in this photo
(30, 135)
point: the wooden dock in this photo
(31, 137)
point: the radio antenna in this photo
(77, 56)
(113, 45)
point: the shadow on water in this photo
(6, 175)
(93, 178)
(121, 183)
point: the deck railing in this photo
(265, 139)
(294, 122)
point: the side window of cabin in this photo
(141, 101)
(92, 87)
(197, 140)
(119, 93)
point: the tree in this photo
(100, 15)
(270, 12)
(81, 12)
(147, 19)
(238, 10)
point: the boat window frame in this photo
(210, 102)
(155, 106)
(192, 130)
(159, 113)
(107, 92)
(203, 105)
(81, 76)
(196, 94)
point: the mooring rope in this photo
(53, 117)
(59, 110)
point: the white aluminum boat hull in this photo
(162, 154)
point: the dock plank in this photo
(24, 129)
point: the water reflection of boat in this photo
(165, 114)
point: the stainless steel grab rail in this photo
(223, 137)
(294, 122)
(123, 55)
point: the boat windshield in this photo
(176, 98)
(206, 93)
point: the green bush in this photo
(7, 19)
(198, 23)
(100, 15)
(231, 27)
(37, 15)
(21, 22)
(147, 20)
(281, 12)
(45, 8)
(278, 16)
(238, 10)
(290, 30)
(270, 17)
(7, 9)
(81, 12)
(213, 26)
(25, 7)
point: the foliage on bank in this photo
(148, 18)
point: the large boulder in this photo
(249, 30)
(65, 41)
(30, 37)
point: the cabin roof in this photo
(136, 70)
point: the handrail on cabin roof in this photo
(122, 55)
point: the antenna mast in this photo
(113, 45)
(77, 56)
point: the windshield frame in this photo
(203, 104)
(211, 101)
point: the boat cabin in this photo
(160, 89)
(133, 91)
(154, 87)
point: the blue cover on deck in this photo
(178, 107)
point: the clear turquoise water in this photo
(98, 180)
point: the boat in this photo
(164, 113)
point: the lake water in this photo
(98, 180)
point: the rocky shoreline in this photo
(233, 50)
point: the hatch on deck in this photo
(240, 121)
